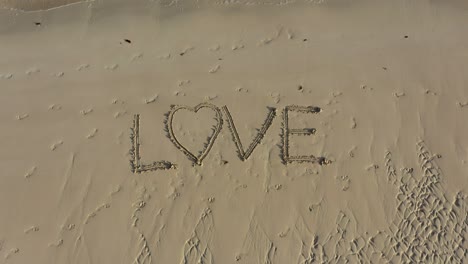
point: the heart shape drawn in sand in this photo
(211, 139)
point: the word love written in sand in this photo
(138, 167)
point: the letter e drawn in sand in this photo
(298, 131)
(135, 160)
(197, 159)
(244, 155)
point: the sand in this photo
(255, 132)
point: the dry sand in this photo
(255, 132)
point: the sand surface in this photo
(254, 132)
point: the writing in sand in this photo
(223, 115)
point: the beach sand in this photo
(255, 132)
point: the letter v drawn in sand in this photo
(211, 139)
(244, 155)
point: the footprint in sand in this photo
(184, 51)
(197, 248)
(58, 74)
(210, 97)
(136, 56)
(111, 67)
(276, 96)
(165, 56)
(82, 67)
(344, 181)
(57, 243)
(92, 134)
(461, 105)
(6, 76)
(55, 145)
(54, 107)
(237, 46)
(215, 69)
(117, 101)
(119, 114)
(353, 123)
(21, 117)
(366, 88)
(242, 89)
(31, 229)
(32, 71)
(151, 99)
(290, 34)
(30, 172)
(179, 93)
(214, 48)
(12, 252)
(85, 112)
(183, 83)
(268, 40)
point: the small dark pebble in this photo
(322, 161)
(37, 23)
(182, 53)
(128, 41)
(305, 40)
(316, 109)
